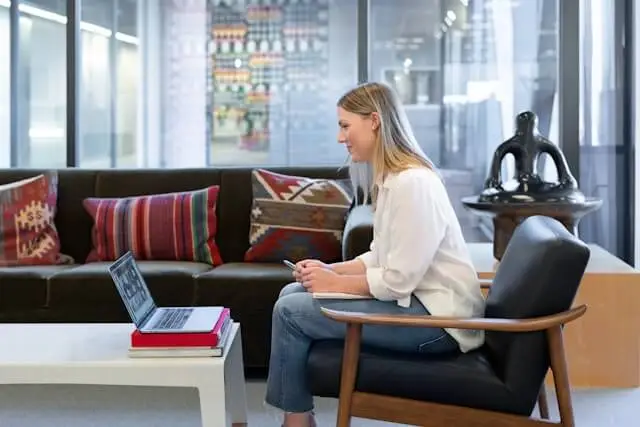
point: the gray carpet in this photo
(94, 406)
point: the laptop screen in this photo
(132, 288)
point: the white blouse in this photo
(418, 248)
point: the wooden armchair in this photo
(497, 385)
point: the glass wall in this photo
(277, 69)
(5, 87)
(465, 69)
(109, 76)
(234, 83)
(180, 29)
(41, 84)
(604, 149)
(196, 83)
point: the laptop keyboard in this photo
(173, 318)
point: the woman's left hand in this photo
(320, 279)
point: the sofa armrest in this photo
(358, 232)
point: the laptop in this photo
(144, 313)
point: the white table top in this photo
(97, 354)
(64, 344)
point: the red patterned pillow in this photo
(295, 218)
(28, 235)
(167, 227)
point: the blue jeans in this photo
(297, 322)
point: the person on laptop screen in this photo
(135, 292)
(418, 262)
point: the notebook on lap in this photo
(144, 313)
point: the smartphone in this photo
(289, 264)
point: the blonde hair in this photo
(396, 148)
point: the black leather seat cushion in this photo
(250, 290)
(463, 379)
(26, 286)
(89, 287)
(243, 282)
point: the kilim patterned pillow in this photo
(296, 218)
(161, 227)
(28, 235)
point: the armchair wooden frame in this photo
(399, 410)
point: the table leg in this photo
(235, 383)
(213, 410)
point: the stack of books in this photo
(190, 344)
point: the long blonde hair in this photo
(396, 148)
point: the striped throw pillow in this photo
(160, 227)
(295, 217)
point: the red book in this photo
(187, 339)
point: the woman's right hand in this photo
(305, 263)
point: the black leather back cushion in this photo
(538, 275)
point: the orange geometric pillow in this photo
(28, 235)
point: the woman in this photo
(418, 262)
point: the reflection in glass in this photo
(276, 71)
(415, 87)
(41, 115)
(603, 155)
(464, 70)
(108, 98)
(42, 98)
(5, 95)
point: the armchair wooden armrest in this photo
(485, 283)
(502, 325)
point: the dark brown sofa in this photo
(85, 292)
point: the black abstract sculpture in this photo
(527, 194)
(527, 146)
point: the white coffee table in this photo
(96, 354)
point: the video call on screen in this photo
(131, 286)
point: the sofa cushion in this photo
(296, 218)
(228, 279)
(250, 290)
(28, 235)
(161, 227)
(90, 287)
(25, 287)
(72, 220)
(234, 206)
(117, 183)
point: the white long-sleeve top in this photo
(418, 248)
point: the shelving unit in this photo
(268, 70)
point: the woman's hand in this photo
(320, 279)
(311, 262)
(301, 265)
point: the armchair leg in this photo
(543, 403)
(349, 372)
(560, 376)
